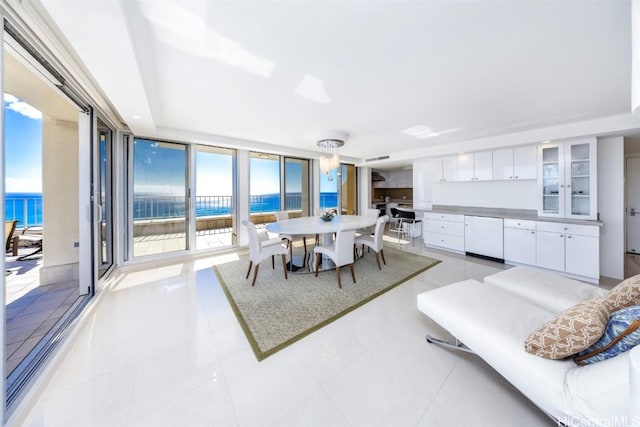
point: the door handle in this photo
(632, 212)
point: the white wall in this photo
(611, 205)
(487, 194)
(242, 189)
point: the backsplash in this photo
(395, 193)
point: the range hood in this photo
(375, 177)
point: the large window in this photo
(296, 186)
(329, 190)
(264, 184)
(159, 197)
(214, 204)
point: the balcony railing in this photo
(27, 210)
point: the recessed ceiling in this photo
(281, 72)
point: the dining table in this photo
(315, 225)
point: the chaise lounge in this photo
(493, 319)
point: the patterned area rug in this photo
(278, 312)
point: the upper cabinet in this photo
(395, 179)
(475, 166)
(449, 169)
(567, 180)
(425, 173)
(515, 163)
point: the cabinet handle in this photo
(568, 185)
(562, 235)
(516, 177)
(565, 229)
(510, 177)
(561, 186)
(533, 232)
(518, 223)
(568, 237)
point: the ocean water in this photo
(28, 206)
(25, 207)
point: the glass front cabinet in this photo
(567, 179)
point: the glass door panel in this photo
(580, 180)
(348, 190)
(103, 198)
(214, 197)
(296, 187)
(159, 197)
(551, 180)
(264, 187)
(329, 190)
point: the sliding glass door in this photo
(159, 197)
(296, 186)
(102, 193)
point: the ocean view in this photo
(28, 206)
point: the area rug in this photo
(277, 312)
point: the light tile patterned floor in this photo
(163, 347)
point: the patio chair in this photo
(12, 241)
(31, 239)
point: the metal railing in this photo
(155, 207)
(26, 210)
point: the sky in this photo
(158, 167)
(23, 146)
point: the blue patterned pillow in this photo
(622, 334)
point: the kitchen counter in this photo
(523, 214)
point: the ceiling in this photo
(281, 72)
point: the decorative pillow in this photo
(622, 334)
(569, 332)
(625, 294)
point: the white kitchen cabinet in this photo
(484, 236)
(520, 241)
(582, 255)
(571, 248)
(475, 166)
(567, 179)
(425, 173)
(444, 231)
(525, 164)
(515, 163)
(449, 169)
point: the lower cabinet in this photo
(444, 231)
(520, 241)
(483, 236)
(572, 248)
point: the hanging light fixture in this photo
(330, 142)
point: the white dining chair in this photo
(340, 252)
(375, 242)
(283, 216)
(371, 213)
(262, 247)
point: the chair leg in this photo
(249, 270)
(318, 256)
(353, 273)
(382, 253)
(338, 273)
(304, 242)
(317, 239)
(378, 261)
(284, 266)
(255, 274)
(273, 262)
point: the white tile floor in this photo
(163, 348)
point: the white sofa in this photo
(494, 318)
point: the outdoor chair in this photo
(11, 243)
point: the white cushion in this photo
(494, 324)
(600, 392)
(634, 366)
(548, 290)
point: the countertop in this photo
(523, 214)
